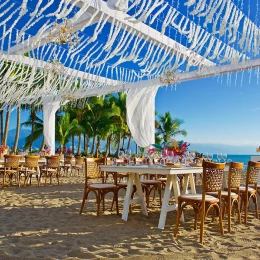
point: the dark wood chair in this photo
(93, 172)
(212, 179)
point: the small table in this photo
(172, 181)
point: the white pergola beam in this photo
(69, 72)
(144, 29)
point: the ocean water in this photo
(236, 158)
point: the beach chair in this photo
(52, 168)
(11, 167)
(30, 169)
(212, 179)
(249, 191)
(93, 172)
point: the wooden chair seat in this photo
(150, 182)
(223, 194)
(243, 189)
(198, 197)
(48, 170)
(101, 186)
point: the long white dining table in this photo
(172, 182)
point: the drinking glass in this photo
(205, 156)
(219, 156)
(224, 156)
(128, 155)
(210, 157)
(121, 154)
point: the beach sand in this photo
(44, 223)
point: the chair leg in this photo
(98, 203)
(178, 217)
(229, 216)
(220, 221)
(256, 205)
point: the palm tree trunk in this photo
(107, 147)
(109, 144)
(87, 143)
(79, 144)
(1, 125)
(84, 142)
(129, 141)
(118, 145)
(42, 145)
(98, 146)
(123, 143)
(7, 119)
(33, 116)
(93, 144)
(72, 139)
(17, 129)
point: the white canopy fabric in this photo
(140, 106)
(49, 110)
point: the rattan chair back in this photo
(234, 174)
(253, 170)
(212, 178)
(11, 161)
(53, 161)
(31, 161)
(79, 160)
(68, 159)
(92, 169)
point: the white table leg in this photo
(140, 194)
(165, 203)
(127, 200)
(192, 184)
(185, 184)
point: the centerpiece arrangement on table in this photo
(169, 150)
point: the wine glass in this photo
(128, 155)
(210, 157)
(224, 156)
(205, 156)
(219, 156)
(121, 155)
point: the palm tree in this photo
(37, 133)
(167, 127)
(65, 128)
(120, 101)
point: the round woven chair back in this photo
(212, 179)
(92, 167)
(31, 161)
(53, 161)
(68, 159)
(253, 170)
(235, 172)
(12, 161)
(79, 160)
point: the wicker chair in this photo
(67, 164)
(231, 197)
(11, 168)
(211, 181)
(79, 163)
(30, 168)
(92, 171)
(246, 192)
(51, 168)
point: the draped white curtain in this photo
(49, 111)
(140, 107)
